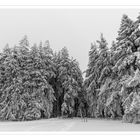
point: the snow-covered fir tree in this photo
(68, 83)
(38, 83)
(91, 79)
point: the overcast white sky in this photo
(73, 28)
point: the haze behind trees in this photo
(70, 27)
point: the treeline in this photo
(113, 75)
(36, 82)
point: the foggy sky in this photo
(73, 28)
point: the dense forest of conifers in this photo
(37, 82)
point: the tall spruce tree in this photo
(103, 71)
(91, 79)
(26, 93)
(128, 66)
(69, 81)
(121, 93)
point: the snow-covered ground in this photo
(75, 124)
